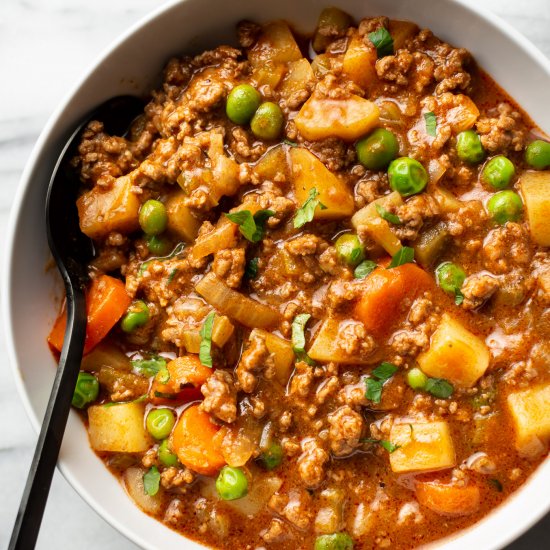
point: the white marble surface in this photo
(57, 40)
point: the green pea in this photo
(136, 316)
(505, 206)
(166, 456)
(498, 172)
(267, 122)
(335, 541)
(158, 246)
(242, 103)
(153, 217)
(160, 423)
(231, 483)
(272, 457)
(537, 154)
(378, 149)
(469, 147)
(407, 176)
(450, 277)
(416, 379)
(350, 249)
(86, 390)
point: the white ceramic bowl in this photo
(132, 65)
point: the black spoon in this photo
(71, 250)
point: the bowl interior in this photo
(133, 65)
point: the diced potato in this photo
(446, 200)
(455, 354)
(118, 428)
(181, 221)
(378, 228)
(325, 345)
(273, 164)
(535, 189)
(530, 410)
(401, 31)
(423, 447)
(321, 65)
(333, 22)
(349, 119)
(276, 45)
(330, 517)
(270, 74)
(359, 61)
(309, 172)
(298, 78)
(105, 355)
(133, 481)
(283, 354)
(103, 211)
(461, 114)
(448, 499)
(430, 244)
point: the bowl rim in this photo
(506, 536)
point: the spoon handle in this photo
(35, 495)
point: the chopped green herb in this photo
(163, 376)
(172, 274)
(365, 268)
(251, 226)
(251, 270)
(374, 390)
(459, 297)
(383, 41)
(151, 481)
(497, 485)
(206, 340)
(388, 216)
(381, 373)
(388, 445)
(431, 124)
(439, 387)
(291, 143)
(384, 371)
(149, 367)
(306, 212)
(404, 255)
(299, 337)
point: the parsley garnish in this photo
(251, 270)
(206, 340)
(251, 226)
(149, 367)
(431, 124)
(404, 255)
(388, 216)
(383, 41)
(381, 374)
(290, 143)
(459, 297)
(365, 268)
(299, 337)
(306, 212)
(151, 481)
(439, 387)
(172, 274)
(388, 445)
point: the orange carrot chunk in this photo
(446, 499)
(187, 375)
(194, 442)
(106, 302)
(387, 295)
